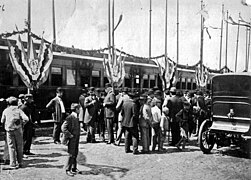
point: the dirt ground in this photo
(102, 161)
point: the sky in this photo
(84, 24)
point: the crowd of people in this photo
(148, 118)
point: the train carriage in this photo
(73, 69)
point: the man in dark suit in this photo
(175, 105)
(30, 111)
(110, 107)
(71, 129)
(58, 115)
(91, 112)
(130, 123)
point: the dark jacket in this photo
(91, 109)
(130, 114)
(184, 118)
(110, 105)
(175, 105)
(71, 130)
(54, 105)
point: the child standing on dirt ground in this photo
(184, 116)
(164, 126)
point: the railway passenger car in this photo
(73, 69)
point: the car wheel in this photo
(205, 139)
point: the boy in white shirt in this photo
(164, 126)
(156, 114)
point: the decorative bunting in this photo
(246, 2)
(201, 75)
(167, 70)
(32, 69)
(115, 71)
(93, 52)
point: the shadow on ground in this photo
(100, 169)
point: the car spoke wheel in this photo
(206, 140)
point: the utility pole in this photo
(53, 22)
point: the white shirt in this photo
(61, 105)
(156, 113)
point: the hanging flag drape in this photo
(201, 75)
(167, 71)
(32, 68)
(115, 71)
(246, 2)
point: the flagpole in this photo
(221, 36)
(226, 40)
(166, 30)
(113, 54)
(150, 30)
(109, 27)
(29, 23)
(29, 33)
(53, 22)
(202, 38)
(249, 33)
(246, 68)
(177, 32)
(237, 42)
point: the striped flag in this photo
(204, 12)
(115, 72)
(107, 67)
(32, 68)
(201, 75)
(167, 70)
(242, 22)
(246, 2)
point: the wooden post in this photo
(226, 40)
(221, 35)
(237, 41)
(150, 29)
(53, 21)
(177, 32)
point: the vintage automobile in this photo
(230, 120)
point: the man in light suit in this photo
(82, 108)
(58, 115)
(110, 107)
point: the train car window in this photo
(95, 79)
(189, 83)
(85, 77)
(194, 85)
(71, 77)
(56, 76)
(6, 70)
(145, 81)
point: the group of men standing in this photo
(144, 117)
(18, 119)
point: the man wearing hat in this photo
(29, 109)
(13, 119)
(82, 106)
(174, 105)
(71, 130)
(124, 97)
(184, 117)
(20, 100)
(58, 115)
(91, 114)
(145, 119)
(130, 121)
(110, 108)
